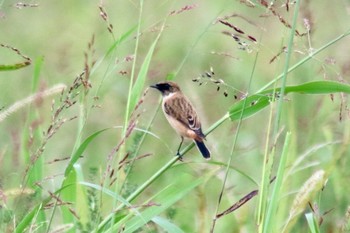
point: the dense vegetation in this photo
(84, 146)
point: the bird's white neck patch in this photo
(168, 95)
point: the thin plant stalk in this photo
(269, 157)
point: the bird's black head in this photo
(166, 87)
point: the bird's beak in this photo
(154, 86)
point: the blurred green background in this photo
(58, 32)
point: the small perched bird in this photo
(181, 115)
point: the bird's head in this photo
(167, 87)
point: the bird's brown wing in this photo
(182, 110)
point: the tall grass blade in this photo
(167, 197)
(81, 150)
(270, 223)
(138, 87)
(258, 102)
(312, 223)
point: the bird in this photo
(181, 115)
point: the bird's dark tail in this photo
(203, 149)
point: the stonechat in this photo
(181, 115)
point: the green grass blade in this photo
(27, 220)
(82, 200)
(315, 87)
(132, 76)
(138, 87)
(259, 101)
(113, 47)
(233, 168)
(81, 150)
(255, 103)
(69, 195)
(166, 225)
(269, 224)
(108, 192)
(120, 40)
(14, 66)
(311, 221)
(167, 197)
(35, 172)
(37, 69)
(26, 60)
(140, 189)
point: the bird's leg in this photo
(178, 150)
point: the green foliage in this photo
(311, 220)
(15, 66)
(167, 197)
(253, 104)
(85, 148)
